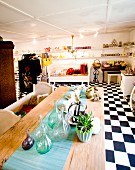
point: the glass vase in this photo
(28, 142)
(61, 128)
(54, 115)
(43, 142)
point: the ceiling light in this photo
(81, 35)
(33, 24)
(95, 35)
(48, 39)
(34, 41)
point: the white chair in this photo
(38, 89)
(116, 74)
(7, 116)
(7, 120)
(42, 88)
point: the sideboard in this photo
(70, 78)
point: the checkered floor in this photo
(119, 129)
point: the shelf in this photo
(131, 46)
(93, 48)
(74, 75)
(114, 48)
(69, 58)
(84, 53)
(59, 51)
(75, 58)
(119, 48)
(131, 57)
(108, 48)
(88, 58)
(108, 55)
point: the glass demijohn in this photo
(43, 142)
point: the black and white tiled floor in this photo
(119, 129)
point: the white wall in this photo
(95, 43)
(86, 41)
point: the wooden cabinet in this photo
(70, 78)
(127, 84)
(7, 80)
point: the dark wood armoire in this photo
(7, 78)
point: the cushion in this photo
(41, 97)
(27, 108)
(21, 113)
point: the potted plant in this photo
(84, 127)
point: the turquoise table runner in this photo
(53, 160)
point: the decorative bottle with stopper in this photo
(28, 142)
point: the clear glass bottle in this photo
(54, 115)
(62, 128)
(43, 142)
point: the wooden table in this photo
(114, 68)
(83, 156)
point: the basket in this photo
(96, 64)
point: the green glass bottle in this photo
(43, 142)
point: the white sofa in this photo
(38, 89)
(7, 120)
(7, 116)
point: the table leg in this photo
(103, 76)
(95, 73)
